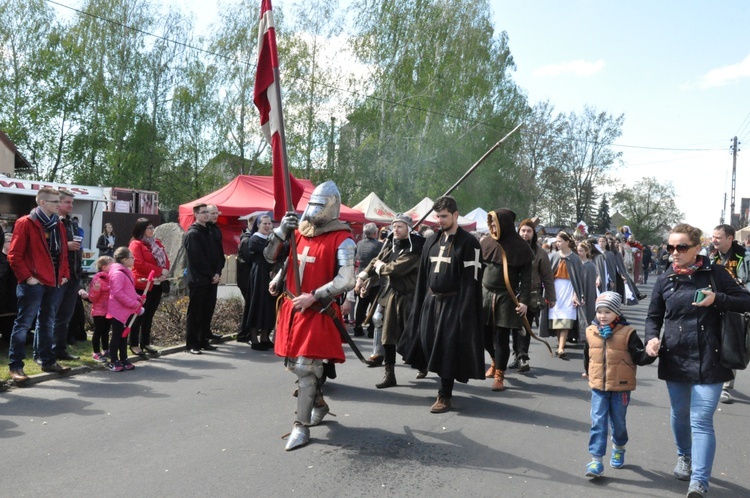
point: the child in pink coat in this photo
(123, 303)
(99, 296)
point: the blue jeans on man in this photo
(38, 301)
(693, 407)
(608, 410)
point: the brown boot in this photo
(441, 405)
(499, 384)
(490, 371)
(389, 380)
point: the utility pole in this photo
(723, 209)
(734, 150)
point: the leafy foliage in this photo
(401, 102)
(649, 208)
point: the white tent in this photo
(425, 205)
(375, 209)
(480, 216)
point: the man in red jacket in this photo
(39, 257)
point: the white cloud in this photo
(576, 68)
(725, 75)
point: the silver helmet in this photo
(324, 206)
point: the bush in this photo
(170, 320)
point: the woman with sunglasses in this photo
(688, 349)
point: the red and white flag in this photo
(267, 98)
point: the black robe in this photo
(444, 334)
(260, 305)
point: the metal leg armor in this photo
(308, 371)
(320, 407)
(377, 338)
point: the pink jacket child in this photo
(123, 300)
(99, 294)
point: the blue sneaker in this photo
(594, 469)
(618, 458)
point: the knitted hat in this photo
(404, 218)
(610, 300)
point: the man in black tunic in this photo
(445, 335)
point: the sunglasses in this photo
(681, 248)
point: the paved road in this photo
(210, 426)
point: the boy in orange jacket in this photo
(610, 355)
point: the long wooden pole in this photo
(287, 181)
(471, 170)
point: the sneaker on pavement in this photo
(514, 363)
(594, 469)
(725, 397)
(683, 469)
(617, 460)
(523, 365)
(99, 357)
(115, 366)
(127, 365)
(696, 490)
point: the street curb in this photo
(45, 376)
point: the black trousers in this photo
(199, 314)
(118, 344)
(140, 334)
(100, 339)
(360, 311)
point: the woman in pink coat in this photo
(123, 302)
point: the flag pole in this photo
(471, 170)
(287, 180)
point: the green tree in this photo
(603, 219)
(28, 31)
(541, 150)
(649, 208)
(235, 42)
(588, 155)
(439, 94)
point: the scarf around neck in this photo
(50, 226)
(159, 255)
(690, 269)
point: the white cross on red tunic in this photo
(303, 260)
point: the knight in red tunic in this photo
(306, 337)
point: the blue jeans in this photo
(693, 407)
(608, 410)
(38, 301)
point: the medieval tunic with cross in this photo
(311, 334)
(444, 334)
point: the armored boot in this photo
(300, 436)
(320, 407)
(490, 371)
(389, 379)
(499, 383)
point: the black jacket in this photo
(203, 256)
(689, 350)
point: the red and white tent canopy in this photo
(375, 209)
